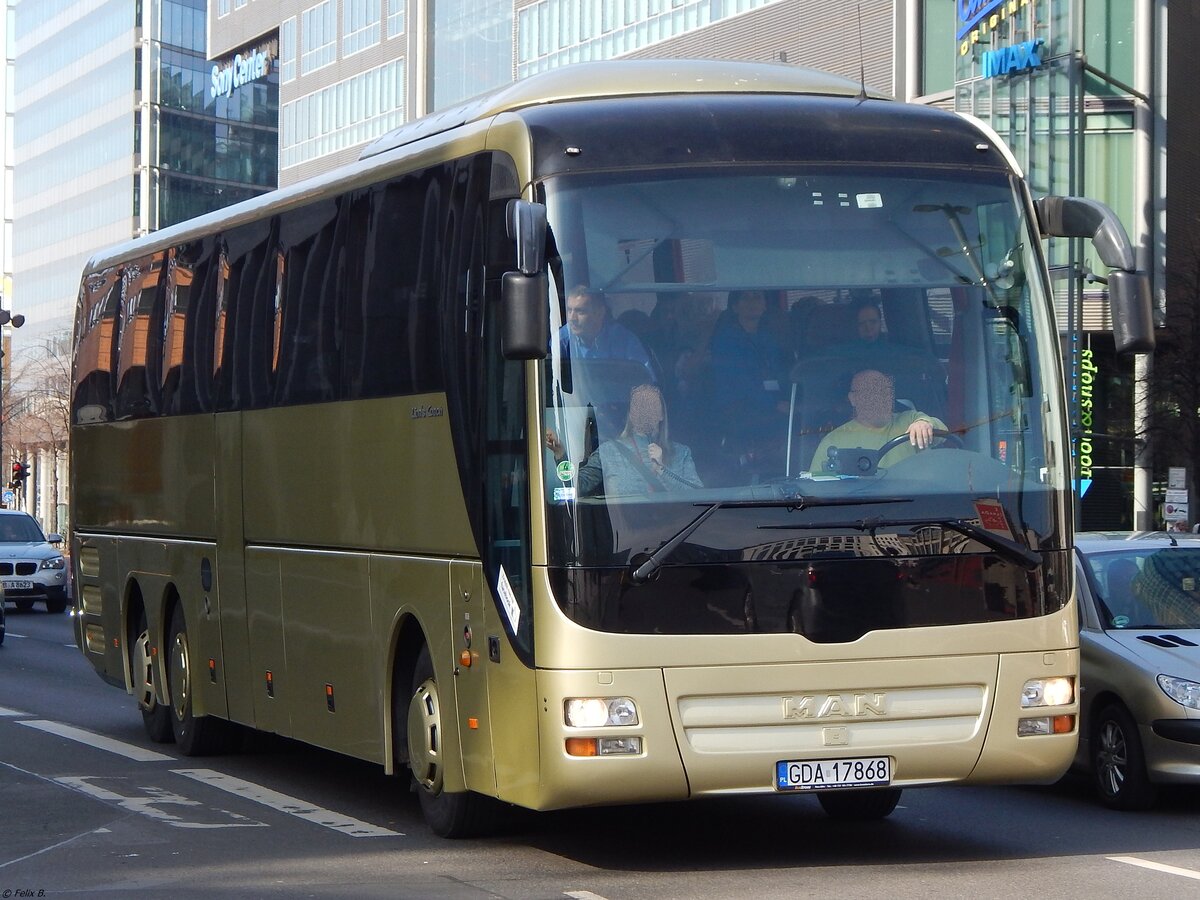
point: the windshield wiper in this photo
(1009, 549)
(794, 503)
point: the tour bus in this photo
(520, 453)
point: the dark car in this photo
(31, 568)
(1139, 606)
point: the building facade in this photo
(116, 129)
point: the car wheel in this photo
(56, 606)
(449, 814)
(1118, 762)
(24, 605)
(194, 735)
(859, 806)
(156, 718)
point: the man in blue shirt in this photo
(590, 332)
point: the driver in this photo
(875, 422)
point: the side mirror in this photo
(1128, 290)
(525, 325)
(54, 538)
(527, 226)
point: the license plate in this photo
(824, 774)
(18, 585)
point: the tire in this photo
(56, 607)
(1118, 761)
(156, 717)
(24, 605)
(859, 806)
(449, 815)
(194, 735)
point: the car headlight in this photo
(1184, 692)
(54, 562)
(599, 712)
(1057, 691)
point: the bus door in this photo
(469, 623)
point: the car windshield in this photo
(19, 530)
(714, 327)
(1156, 589)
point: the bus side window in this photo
(311, 292)
(142, 299)
(96, 353)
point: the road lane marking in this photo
(12, 712)
(582, 895)
(129, 751)
(290, 805)
(1157, 867)
(156, 803)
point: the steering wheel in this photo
(949, 439)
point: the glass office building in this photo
(1071, 85)
(117, 131)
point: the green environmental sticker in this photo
(565, 470)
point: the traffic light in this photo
(20, 471)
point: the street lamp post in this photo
(16, 321)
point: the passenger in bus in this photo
(590, 331)
(873, 398)
(868, 321)
(641, 460)
(749, 370)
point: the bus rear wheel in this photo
(449, 814)
(194, 735)
(859, 806)
(156, 718)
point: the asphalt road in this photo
(89, 806)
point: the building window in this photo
(287, 50)
(360, 25)
(222, 8)
(938, 46)
(345, 114)
(551, 33)
(395, 18)
(318, 36)
(471, 50)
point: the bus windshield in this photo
(767, 344)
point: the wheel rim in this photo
(180, 677)
(1112, 758)
(143, 672)
(424, 736)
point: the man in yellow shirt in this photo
(875, 422)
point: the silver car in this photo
(1139, 602)
(31, 568)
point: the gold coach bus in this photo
(515, 453)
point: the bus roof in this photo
(628, 78)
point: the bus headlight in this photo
(1057, 691)
(599, 712)
(1182, 691)
(1042, 692)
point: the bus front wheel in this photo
(194, 735)
(449, 814)
(859, 806)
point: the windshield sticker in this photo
(869, 201)
(992, 517)
(1120, 621)
(565, 470)
(563, 494)
(508, 600)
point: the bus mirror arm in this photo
(1128, 290)
(525, 326)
